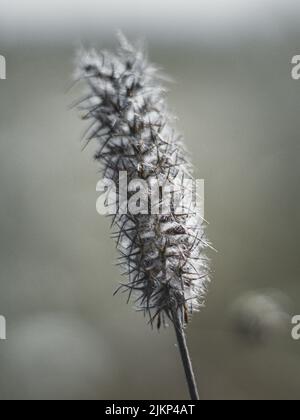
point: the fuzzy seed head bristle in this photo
(162, 256)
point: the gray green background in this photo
(68, 337)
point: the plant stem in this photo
(185, 356)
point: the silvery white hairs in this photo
(162, 253)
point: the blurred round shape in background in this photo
(260, 315)
(55, 356)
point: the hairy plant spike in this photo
(162, 254)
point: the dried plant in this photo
(162, 255)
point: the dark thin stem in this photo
(185, 356)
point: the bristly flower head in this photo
(162, 254)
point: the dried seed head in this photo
(162, 254)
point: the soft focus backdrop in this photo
(67, 336)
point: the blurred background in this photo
(238, 107)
